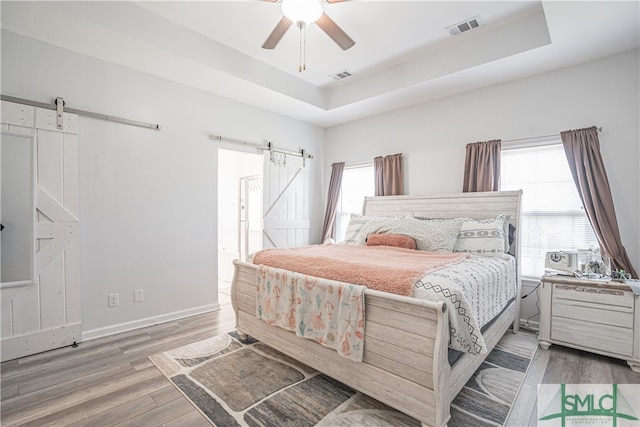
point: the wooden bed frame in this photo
(405, 363)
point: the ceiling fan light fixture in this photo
(302, 12)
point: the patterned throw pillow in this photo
(486, 239)
(356, 222)
(482, 236)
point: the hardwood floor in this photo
(111, 382)
(108, 381)
(562, 365)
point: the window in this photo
(552, 214)
(357, 183)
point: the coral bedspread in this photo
(386, 269)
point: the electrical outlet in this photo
(137, 295)
(114, 300)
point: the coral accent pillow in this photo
(396, 240)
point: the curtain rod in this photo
(538, 137)
(58, 104)
(355, 165)
(268, 147)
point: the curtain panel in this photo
(388, 172)
(335, 183)
(482, 166)
(378, 176)
(582, 149)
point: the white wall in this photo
(433, 135)
(148, 199)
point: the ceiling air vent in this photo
(463, 26)
(341, 75)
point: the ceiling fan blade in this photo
(327, 25)
(335, 1)
(277, 33)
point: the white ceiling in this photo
(403, 55)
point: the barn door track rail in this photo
(268, 147)
(58, 105)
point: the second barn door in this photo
(285, 200)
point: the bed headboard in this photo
(486, 204)
(479, 205)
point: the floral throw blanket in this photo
(328, 312)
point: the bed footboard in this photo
(405, 349)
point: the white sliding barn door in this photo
(43, 310)
(286, 201)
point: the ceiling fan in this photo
(304, 13)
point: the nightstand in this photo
(593, 315)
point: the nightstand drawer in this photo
(599, 315)
(622, 300)
(612, 339)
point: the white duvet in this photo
(475, 291)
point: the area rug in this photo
(234, 383)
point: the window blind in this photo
(357, 183)
(553, 217)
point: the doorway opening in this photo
(239, 212)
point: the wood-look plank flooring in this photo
(111, 382)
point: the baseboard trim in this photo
(532, 325)
(149, 321)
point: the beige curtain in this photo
(332, 200)
(583, 154)
(482, 166)
(388, 175)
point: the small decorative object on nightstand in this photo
(599, 316)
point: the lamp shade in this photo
(302, 11)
